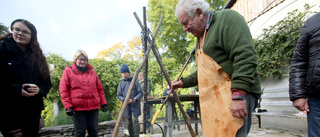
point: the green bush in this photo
(64, 119)
(275, 46)
(105, 116)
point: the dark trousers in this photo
(30, 128)
(190, 113)
(251, 105)
(130, 122)
(147, 116)
(27, 125)
(86, 120)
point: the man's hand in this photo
(301, 104)
(176, 84)
(239, 108)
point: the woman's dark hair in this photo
(33, 53)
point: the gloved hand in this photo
(104, 108)
(70, 112)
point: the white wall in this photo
(55, 109)
(278, 13)
(270, 18)
(274, 83)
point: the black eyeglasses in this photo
(24, 32)
(81, 59)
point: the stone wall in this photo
(105, 130)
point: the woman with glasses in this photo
(25, 80)
(82, 95)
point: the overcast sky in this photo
(67, 25)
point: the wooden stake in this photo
(185, 117)
(125, 103)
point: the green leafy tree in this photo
(57, 64)
(172, 38)
(130, 51)
(277, 43)
(109, 75)
(3, 29)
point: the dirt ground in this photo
(254, 132)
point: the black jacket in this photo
(305, 64)
(136, 92)
(15, 71)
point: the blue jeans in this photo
(251, 105)
(313, 117)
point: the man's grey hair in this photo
(190, 6)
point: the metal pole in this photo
(145, 70)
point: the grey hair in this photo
(190, 6)
(78, 53)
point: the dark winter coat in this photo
(81, 90)
(305, 64)
(15, 71)
(136, 93)
(165, 92)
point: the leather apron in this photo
(215, 99)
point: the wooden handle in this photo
(155, 116)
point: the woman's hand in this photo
(29, 90)
(131, 101)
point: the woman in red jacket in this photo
(82, 95)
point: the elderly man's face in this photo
(195, 25)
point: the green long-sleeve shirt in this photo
(229, 43)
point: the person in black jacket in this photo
(304, 87)
(25, 80)
(166, 91)
(133, 109)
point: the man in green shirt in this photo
(225, 38)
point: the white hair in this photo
(190, 6)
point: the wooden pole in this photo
(125, 103)
(186, 119)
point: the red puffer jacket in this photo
(82, 91)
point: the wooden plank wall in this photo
(251, 9)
